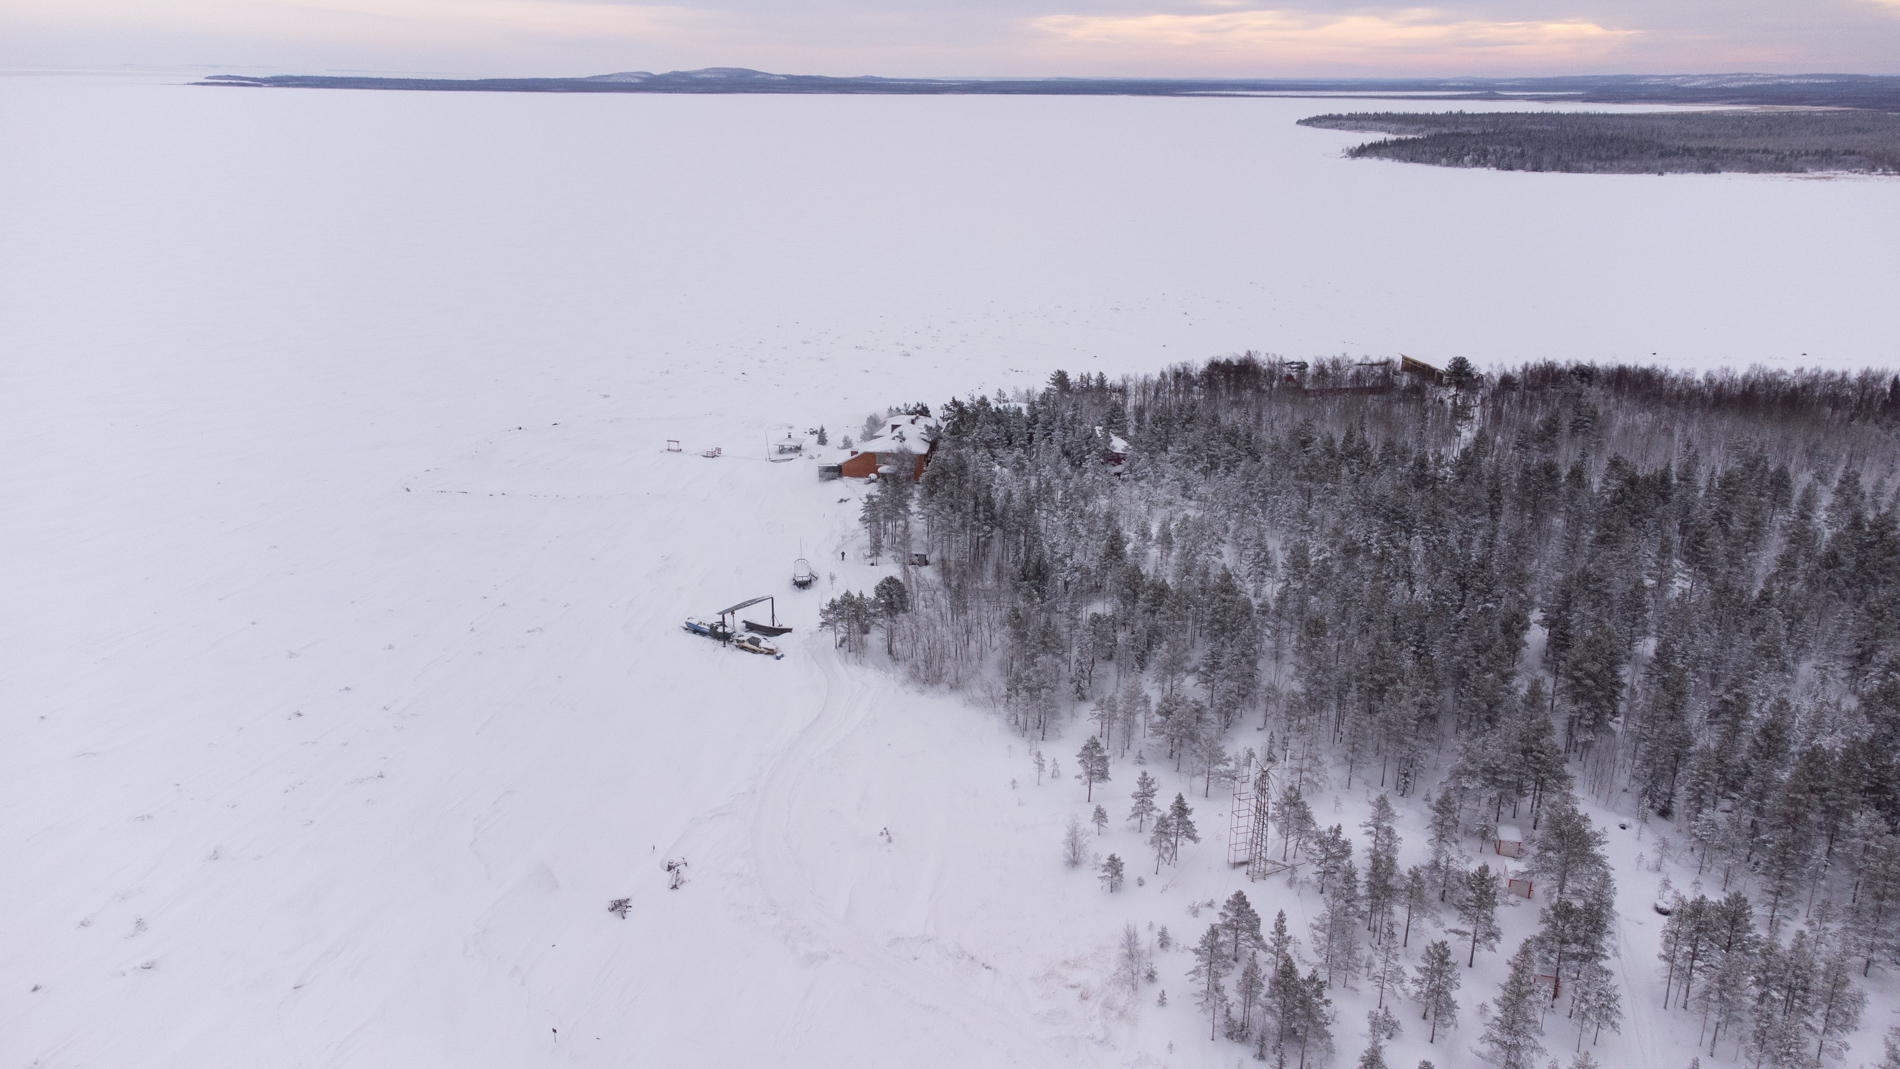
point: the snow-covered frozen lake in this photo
(343, 562)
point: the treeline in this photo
(1674, 593)
(1677, 142)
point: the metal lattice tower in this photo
(1240, 842)
(1257, 864)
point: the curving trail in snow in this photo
(941, 1003)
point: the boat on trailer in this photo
(713, 629)
(802, 575)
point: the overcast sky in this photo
(1191, 38)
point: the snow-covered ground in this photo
(343, 560)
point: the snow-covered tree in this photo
(1093, 762)
(1239, 924)
(1478, 912)
(1075, 843)
(1511, 1039)
(1181, 824)
(1435, 986)
(1144, 799)
(1211, 967)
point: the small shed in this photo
(1510, 841)
(1518, 885)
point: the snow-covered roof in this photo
(1116, 445)
(902, 434)
(1510, 833)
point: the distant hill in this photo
(1876, 92)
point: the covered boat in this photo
(756, 644)
(714, 629)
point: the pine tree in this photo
(1837, 1007)
(1512, 1035)
(1445, 859)
(1180, 826)
(1211, 966)
(1891, 1059)
(1415, 894)
(1239, 924)
(1279, 945)
(1336, 929)
(1249, 989)
(1478, 912)
(1382, 866)
(1093, 761)
(1100, 820)
(1569, 848)
(1436, 986)
(1162, 839)
(1111, 873)
(1144, 798)
(1594, 1003)
(1381, 1025)
(1335, 853)
(1295, 818)
(1316, 1018)
(1386, 967)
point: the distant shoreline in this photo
(1681, 142)
(1869, 92)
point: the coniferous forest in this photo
(1696, 142)
(1510, 598)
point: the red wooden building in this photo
(905, 443)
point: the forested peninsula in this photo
(1666, 598)
(1702, 142)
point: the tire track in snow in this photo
(846, 704)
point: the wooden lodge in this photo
(906, 443)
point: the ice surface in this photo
(344, 562)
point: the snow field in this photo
(344, 564)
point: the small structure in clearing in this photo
(1510, 841)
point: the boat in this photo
(802, 575)
(755, 644)
(714, 629)
(731, 620)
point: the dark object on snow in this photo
(620, 906)
(920, 560)
(802, 575)
(712, 629)
(828, 472)
(768, 630)
(676, 874)
(728, 616)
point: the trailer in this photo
(802, 575)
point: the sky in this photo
(1153, 38)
